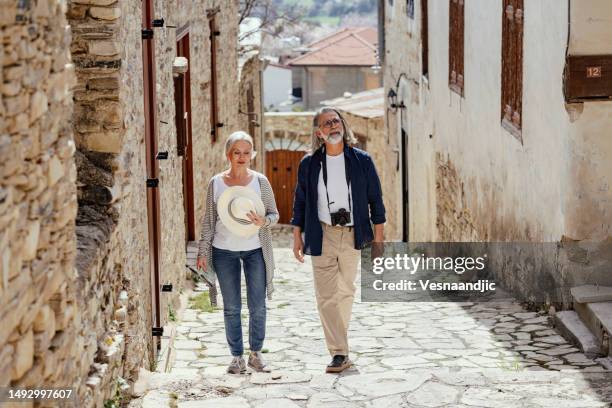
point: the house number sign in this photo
(593, 72)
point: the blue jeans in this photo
(227, 267)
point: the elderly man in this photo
(338, 193)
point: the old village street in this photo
(492, 354)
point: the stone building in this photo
(251, 106)
(503, 123)
(107, 143)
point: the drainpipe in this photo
(152, 182)
(262, 119)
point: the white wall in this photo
(473, 180)
(518, 190)
(277, 87)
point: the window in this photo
(410, 8)
(318, 76)
(456, 46)
(424, 39)
(512, 66)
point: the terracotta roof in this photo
(350, 46)
(367, 104)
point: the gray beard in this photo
(335, 139)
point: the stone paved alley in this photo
(492, 354)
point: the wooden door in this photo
(281, 169)
(182, 102)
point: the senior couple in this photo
(337, 199)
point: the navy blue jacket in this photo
(365, 192)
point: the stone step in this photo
(606, 362)
(598, 318)
(591, 294)
(576, 332)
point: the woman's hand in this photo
(256, 219)
(201, 263)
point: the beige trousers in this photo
(334, 280)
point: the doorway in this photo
(182, 103)
(281, 169)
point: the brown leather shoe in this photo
(338, 364)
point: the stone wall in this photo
(38, 307)
(109, 133)
(209, 158)
(296, 126)
(251, 113)
(113, 259)
(75, 289)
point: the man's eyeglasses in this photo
(331, 123)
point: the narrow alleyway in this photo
(492, 354)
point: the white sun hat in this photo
(233, 206)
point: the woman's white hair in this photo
(316, 142)
(236, 137)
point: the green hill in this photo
(328, 11)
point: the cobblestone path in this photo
(492, 354)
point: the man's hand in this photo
(377, 249)
(298, 245)
(201, 263)
(378, 243)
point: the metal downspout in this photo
(152, 167)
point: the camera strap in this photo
(346, 173)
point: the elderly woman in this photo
(221, 249)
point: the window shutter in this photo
(512, 65)
(410, 8)
(424, 38)
(456, 45)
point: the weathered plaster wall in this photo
(590, 27)
(402, 69)
(386, 161)
(469, 178)
(588, 204)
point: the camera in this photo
(340, 217)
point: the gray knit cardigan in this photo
(265, 235)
